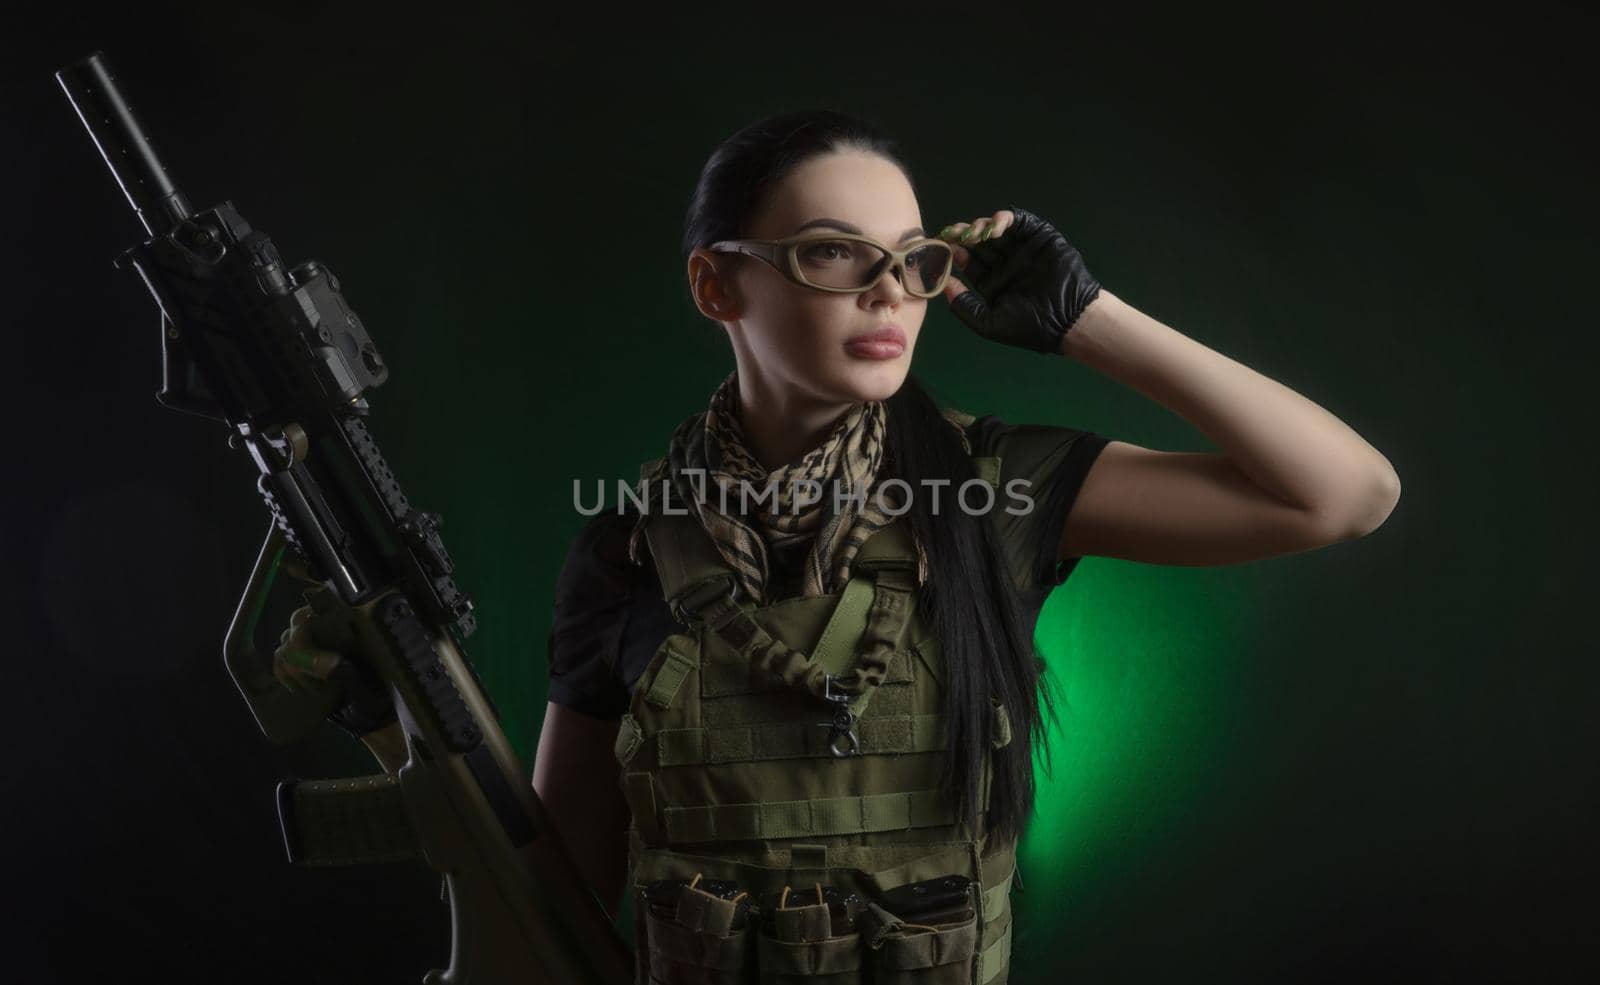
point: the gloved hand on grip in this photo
(311, 655)
(1028, 284)
(299, 662)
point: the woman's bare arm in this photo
(576, 775)
(1291, 475)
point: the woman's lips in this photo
(883, 343)
(875, 350)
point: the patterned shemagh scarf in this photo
(851, 456)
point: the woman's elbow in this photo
(1360, 513)
(1382, 501)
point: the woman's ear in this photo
(712, 287)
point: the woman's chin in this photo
(877, 379)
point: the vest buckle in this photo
(843, 725)
(712, 591)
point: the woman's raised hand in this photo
(1028, 284)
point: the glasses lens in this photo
(926, 267)
(849, 264)
(841, 263)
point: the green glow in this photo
(1141, 657)
(260, 602)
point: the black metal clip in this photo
(844, 720)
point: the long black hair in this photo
(970, 596)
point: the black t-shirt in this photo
(610, 617)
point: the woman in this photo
(815, 393)
(710, 738)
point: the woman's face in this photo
(794, 344)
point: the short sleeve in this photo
(593, 600)
(1054, 461)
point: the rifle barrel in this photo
(93, 92)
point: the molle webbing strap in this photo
(916, 952)
(992, 959)
(669, 677)
(807, 818)
(995, 898)
(639, 791)
(347, 821)
(890, 734)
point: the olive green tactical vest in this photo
(742, 762)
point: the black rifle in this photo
(277, 356)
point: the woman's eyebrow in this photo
(843, 226)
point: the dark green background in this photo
(1366, 762)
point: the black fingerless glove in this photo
(367, 704)
(1028, 286)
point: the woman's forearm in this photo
(1288, 445)
(576, 774)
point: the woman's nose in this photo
(892, 280)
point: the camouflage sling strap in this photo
(851, 658)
